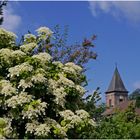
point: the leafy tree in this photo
(2, 4)
(122, 125)
(40, 97)
(135, 95)
(91, 105)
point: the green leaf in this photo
(2, 123)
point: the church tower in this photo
(116, 92)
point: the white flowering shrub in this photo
(39, 97)
(7, 39)
(6, 88)
(44, 32)
(19, 70)
(28, 48)
(43, 57)
(29, 38)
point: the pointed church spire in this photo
(116, 84)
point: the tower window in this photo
(110, 103)
(121, 98)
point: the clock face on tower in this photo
(120, 98)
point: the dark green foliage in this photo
(135, 95)
(2, 4)
(122, 125)
(93, 107)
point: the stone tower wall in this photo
(115, 98)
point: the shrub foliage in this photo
(39, 97)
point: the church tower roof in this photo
(116, 84)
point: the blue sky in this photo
(116, 24)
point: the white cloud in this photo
(136, 84)
(120, 9)
(11, 19)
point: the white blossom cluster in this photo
(8, 130)
(19, 69)
(38, 129)
(28, 48)
(19, 100)
(8, 55)
(58, 63)
(28, 38)
(52, 84)
(62, 133)
(50, 121)
(67, 114)
(71, 118)
(6, 88)
(30, 127)
(5, 56)
(7, 38)
(73, 71)
(38, 78)
(33, 110)
(69, 70)
(82, 114)
(63, 81)
(44, 31)
(71, 66)
(41, 71)
(80, 89)
(18, 54)
(42, 130)
(43, 57)
(4, 32)
(59, 96)
(77, 118)
(25, 84)
(58, 91)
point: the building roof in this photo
(116, 83)
(121, 107)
